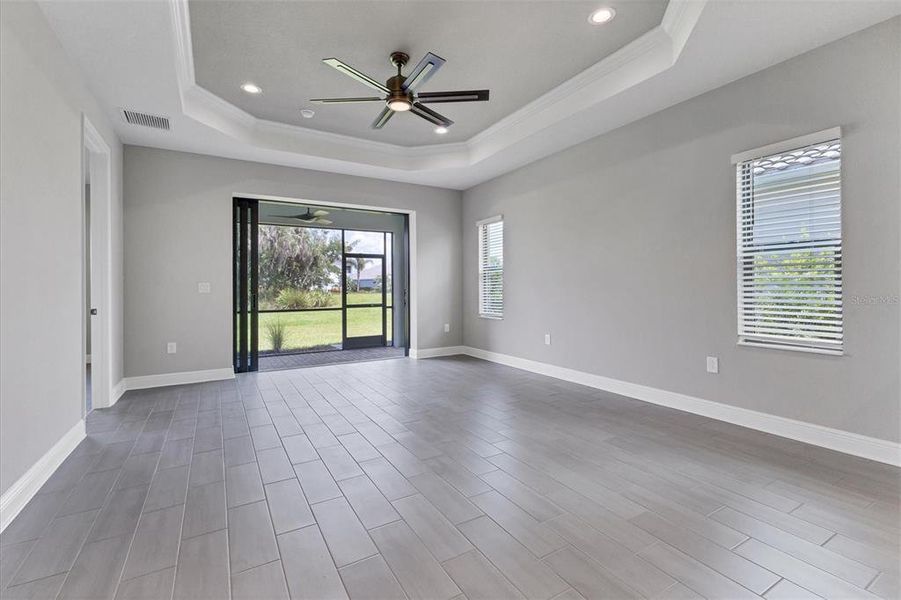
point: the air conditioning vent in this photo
(145, 120)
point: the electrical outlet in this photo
(547, 339)
(203, 287)
(713, 364)
(170, 348)
(447, 328)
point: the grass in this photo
(314, 329)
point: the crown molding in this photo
(641, 59)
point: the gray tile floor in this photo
(444, 478)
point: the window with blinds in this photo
(491, 268)
(790, 246)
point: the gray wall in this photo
(623, 248)
(178, 213)
(42, 368)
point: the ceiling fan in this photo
(313, 216)
(401, 93)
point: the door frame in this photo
(370, 341)
(412, 295)
(97, 163)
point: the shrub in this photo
(320, 298)
(275, 331)
(293, 298)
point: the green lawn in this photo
(312, 329)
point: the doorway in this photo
(96, 350)
(316, 285)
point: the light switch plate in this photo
(447, 328)
(547, 339)
(170, 348)
(203, 287)
(713, 364)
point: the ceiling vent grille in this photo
(146, 120)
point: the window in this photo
(491, 267)
(790, 245)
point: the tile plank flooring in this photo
(438, 479)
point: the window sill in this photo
(491, 317)
(771, 346)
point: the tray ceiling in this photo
(140, 56)
(520, 50)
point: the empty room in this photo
(450, 299)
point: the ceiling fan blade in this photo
(320, 213)
(430, 115)
(383, 117)
(346, 100)
(460, 96)
(323, 221)
(351, 72)
(422, 72)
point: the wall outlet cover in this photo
(713, 364)
(447, 328)
(547, 339)
(170, 348)
(203, 287)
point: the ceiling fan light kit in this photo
(401, 93)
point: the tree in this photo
(359, 264)
(300, 258)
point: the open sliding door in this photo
(245, 263)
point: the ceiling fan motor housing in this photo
(395, 84)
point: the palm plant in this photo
(359, 264)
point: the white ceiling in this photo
(139, 55)
(280, 47)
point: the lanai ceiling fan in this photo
(401, 93)
(313, 216)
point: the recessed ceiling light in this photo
(601, 16)
(307, 113)
(441, 130)
(251, 88)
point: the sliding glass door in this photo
(245, 282)
(307, 288)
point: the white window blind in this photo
(491, 267)
(790, 247)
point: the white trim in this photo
(833, 133)
(641, 59)
(23, 490)
(752, 343)
(118, 390)
(97, 157)
(434, 352)
(855, 444)
(142, 382)
(493, 219)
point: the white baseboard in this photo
(855, 444)
(433, 352)
(117, 391)
(18, 495)
(142, 382)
